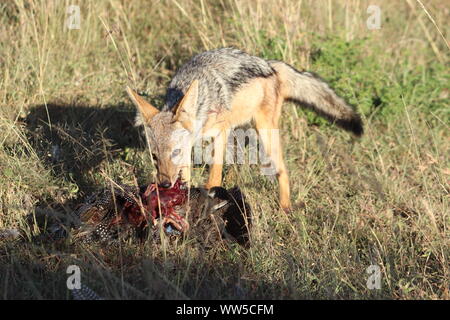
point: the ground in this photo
(66, 129)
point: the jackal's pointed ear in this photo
(145, 108)
(186, 110)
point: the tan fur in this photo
(185, 111)
(246, 102)
(145, 108)
(259, 100)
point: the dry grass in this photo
(66, 128)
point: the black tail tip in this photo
(354, 125)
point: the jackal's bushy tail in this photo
(309, 90)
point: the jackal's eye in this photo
(155, 158)
(176, 152)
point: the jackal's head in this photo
(169, 134)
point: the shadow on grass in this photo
(40, 272)
(74, 139)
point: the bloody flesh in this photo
(157, 203)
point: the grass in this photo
(66, 128)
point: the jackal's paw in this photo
(286, 205)
(287, 210)
(294, 207)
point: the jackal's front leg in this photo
(215, 169)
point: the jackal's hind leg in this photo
(267, 126)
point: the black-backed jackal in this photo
(221, 89)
